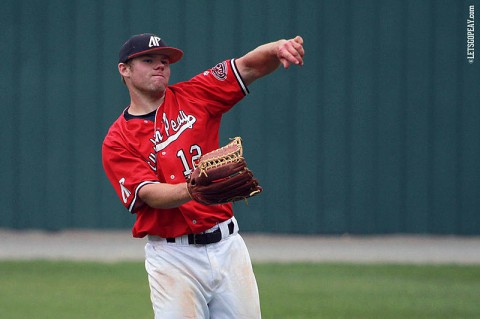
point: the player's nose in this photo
(159, 65)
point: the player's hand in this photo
(291, 51)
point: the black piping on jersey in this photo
(131, 208)
(239, 77)
(150, 116)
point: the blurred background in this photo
(378, 133)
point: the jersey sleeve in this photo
(127, 172)
(221, 87)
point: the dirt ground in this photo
(110, 246)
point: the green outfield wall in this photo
(378, 133)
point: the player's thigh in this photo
(174, 289)
(237, 296)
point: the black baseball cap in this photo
(147, 43)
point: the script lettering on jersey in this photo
(152, 157)
(173, 129)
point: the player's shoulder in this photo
(218, 72)
(117, 125)
(114, 133)
(216, 76)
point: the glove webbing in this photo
(234, 156)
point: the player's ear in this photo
(123, 69)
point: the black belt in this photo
(206, 238)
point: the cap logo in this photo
(154, 41)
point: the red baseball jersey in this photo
(163, 146)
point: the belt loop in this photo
(236, 228)
(185, 239)
(227, 227)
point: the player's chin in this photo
(159, 81)
(158, 85)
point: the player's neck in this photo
(141, 105)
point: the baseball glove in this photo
(222, 176)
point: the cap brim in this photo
(173, 54)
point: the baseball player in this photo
(197, 264)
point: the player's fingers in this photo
(291, 52)
(294, 52)
(299, 48)
(298, 54)
(297, 43)
(298, 39)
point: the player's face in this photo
(150, 73)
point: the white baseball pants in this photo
(213, 281)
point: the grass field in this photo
(69, 290)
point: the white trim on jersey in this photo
(132, 205)
(238, 76)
